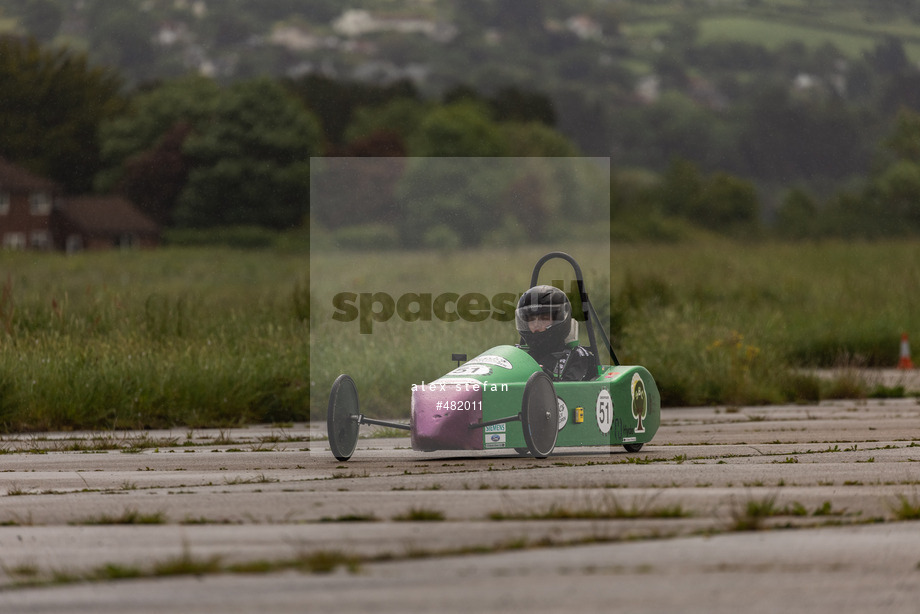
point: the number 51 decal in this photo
(604, 409)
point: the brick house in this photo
(101, 222)
(34, 214)
(26, 201)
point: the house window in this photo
(4, 203)
(39, 239)
(14, 240)
(74, 243)
(39, 203)
(126, 241)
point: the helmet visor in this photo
(535, 318)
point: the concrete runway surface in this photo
(765, 509)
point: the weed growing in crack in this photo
(129, 516)
(754, 514)
(907, 508)
(416, 514)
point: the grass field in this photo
(853, 27)
(773, 34)
(138, 339)
(397, 353)
(217, 337)
(715, 322)
(728, 323)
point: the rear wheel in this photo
(633, 447)
(341, 417)
(540, 415)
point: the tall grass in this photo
(397, 353)
(714, 321)
(151, 339)
(735, 320)
(198, 337)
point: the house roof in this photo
(15, 177)
(106, 215)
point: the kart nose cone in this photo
(442, 413)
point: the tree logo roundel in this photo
(639, 402)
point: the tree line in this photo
(884, 203)
(197, 154)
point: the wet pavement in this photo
(804, 508)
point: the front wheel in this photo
(342, 417)
(540, 415)
(633, 447)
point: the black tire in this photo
(633, 447)
(540, 415)
(340, 423)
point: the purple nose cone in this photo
(442, 413)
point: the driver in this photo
(548, 333)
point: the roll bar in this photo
(586, 307)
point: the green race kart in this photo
(503, 399)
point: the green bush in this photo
(244, 237)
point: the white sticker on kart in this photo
(471, 369)
(604, 411)
(494, 440)
(488, 359)
(563, 413)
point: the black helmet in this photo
(544, 300)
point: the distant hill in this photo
(427, 39)
(639, 81)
